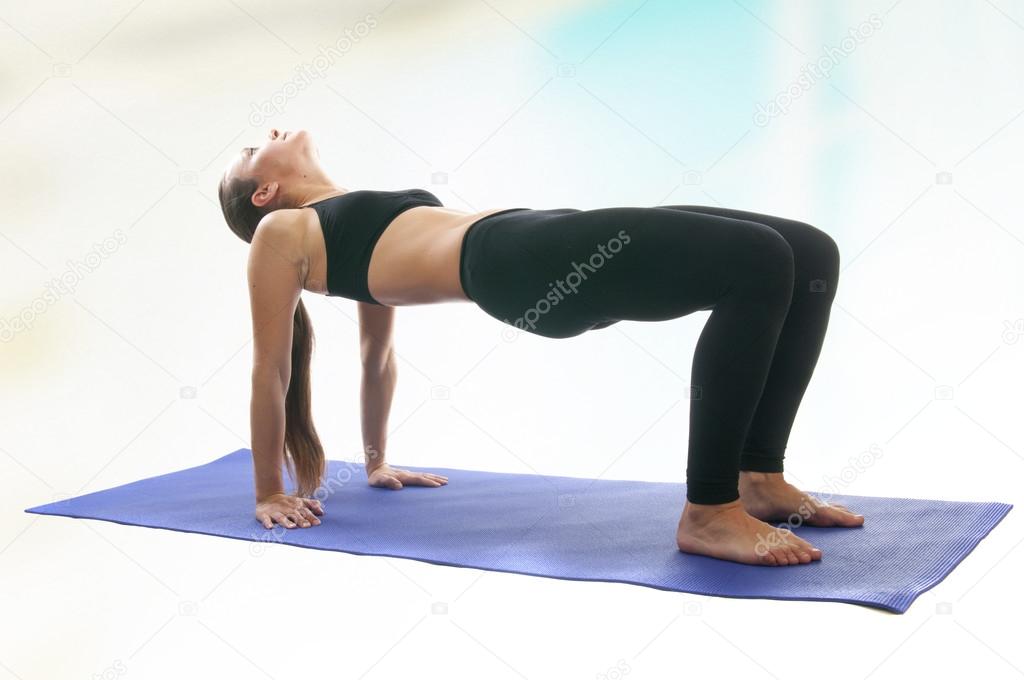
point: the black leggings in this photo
(769, 283)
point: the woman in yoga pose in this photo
(769, 283)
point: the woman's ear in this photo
(265, 193)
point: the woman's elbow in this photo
(377, 359)
(270, 375)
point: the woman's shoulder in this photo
(280, 223)
(284, 230)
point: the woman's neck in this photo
(318, 192)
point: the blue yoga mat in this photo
(561, 527)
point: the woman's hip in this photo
(560, 272)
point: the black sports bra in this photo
(352, 223)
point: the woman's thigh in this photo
(815, 253)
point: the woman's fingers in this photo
(281, 519)
(308, 515)
(397, 478)
(302, 517)
(289, 512)
(421, 478)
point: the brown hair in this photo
(303, 452)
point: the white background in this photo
(118, 118)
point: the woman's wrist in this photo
(374, 458)
(373, 465)
(265, 488)
(262, 496)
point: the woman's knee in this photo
(823, 248)
(765, 270)
(818, 259)
(768, 256)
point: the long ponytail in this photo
(304, 454)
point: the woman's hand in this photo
(393, 478)
(288, 511)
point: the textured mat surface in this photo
(562, 527)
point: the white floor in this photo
(115, 124)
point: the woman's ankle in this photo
(705, 510)
(757, 477)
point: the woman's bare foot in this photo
(728, 532)
(767, 496)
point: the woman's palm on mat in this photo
(388, 477)
(288, 511)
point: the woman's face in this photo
(285, 159)
(281, 156)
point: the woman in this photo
(557, 273)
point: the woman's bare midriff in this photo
(414, 262)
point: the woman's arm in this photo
(377, 389)
(275, 284)
(380, 373)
